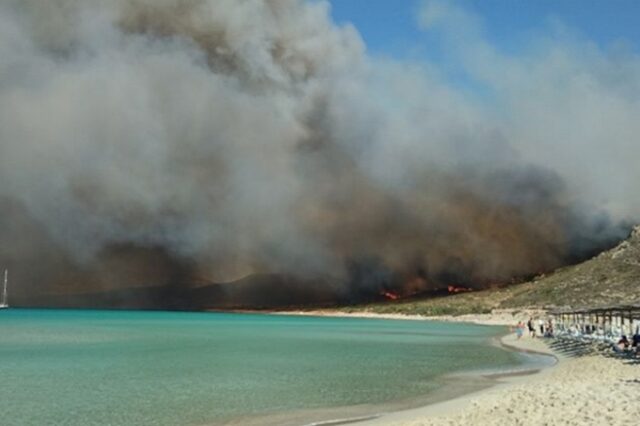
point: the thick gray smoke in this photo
(168, 141)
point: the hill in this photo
(258, 292)
(612, 277)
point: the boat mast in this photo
(4, 288)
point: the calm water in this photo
(162, 368)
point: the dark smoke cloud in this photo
(192, 141)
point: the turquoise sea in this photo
(73, 367)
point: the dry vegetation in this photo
(611, 277)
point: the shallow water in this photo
(168, 368)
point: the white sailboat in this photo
(3, 301)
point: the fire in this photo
(389, 295)
(456, 289)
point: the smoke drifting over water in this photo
(184, 141)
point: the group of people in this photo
(540, 327)
(544, 327)
(624, 345)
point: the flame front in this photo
(389, 295)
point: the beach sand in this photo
(507, 317)
(588, 390)
(584, 390)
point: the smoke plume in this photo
(177, 142)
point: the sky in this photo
(391, 28)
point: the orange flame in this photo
(389, 295)
(456, 289)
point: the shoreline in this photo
(586, 389)
(498, 381)
(503, 318)
(450, 403)
(457, 387)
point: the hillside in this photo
(611, 277)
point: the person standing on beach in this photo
(519, 329)
(541, 326)
(532, 329)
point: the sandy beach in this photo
(506, 317)
(589, 390)
(583, 390)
